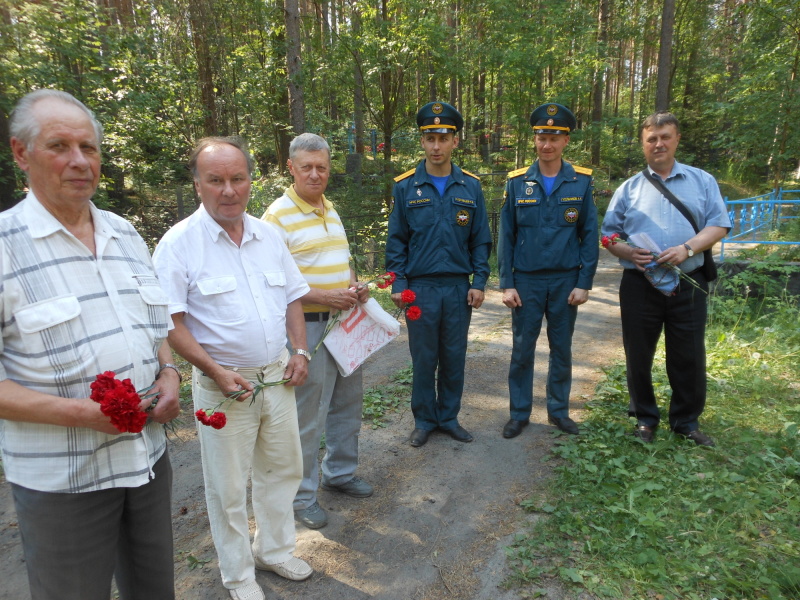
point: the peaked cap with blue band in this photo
(439, 117)
(553, 118)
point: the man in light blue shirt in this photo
(639, 207)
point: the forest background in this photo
(162, 73)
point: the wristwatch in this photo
(689, 250)
(170, 366)
(302, 352)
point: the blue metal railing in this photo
(753, 218)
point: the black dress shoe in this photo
(699, 438)
(419, 437)
(645, 433)
(565, 424)
(458, 433)
(513, 428)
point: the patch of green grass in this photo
(379, 402)
(673, 520)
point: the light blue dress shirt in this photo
(638, 206)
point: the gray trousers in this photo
(331, 404)
(73, 543)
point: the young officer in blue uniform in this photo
(547, 255)
(438, 237)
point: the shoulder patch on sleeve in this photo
(582, 170)
(517, 172)
(405, 175)
(470, 174)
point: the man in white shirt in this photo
(79, 298)
(234, 295)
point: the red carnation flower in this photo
(385, 280)
(605, 241)
(201, 416)
(408, 296)
(217, 420)
(413, 313)
(119, 401)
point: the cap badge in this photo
(550, 121)
(552, 110)
(462, 218)
(437, 108)
(436, 120)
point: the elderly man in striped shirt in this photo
(79, 298)
(328, 402)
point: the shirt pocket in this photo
(50, 333)
(220, 298)
(275, 278)
(529, 212)
(420, 213)
(156, 309)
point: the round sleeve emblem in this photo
(571, 214)
(462, 218)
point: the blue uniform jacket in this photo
(541, 234)
(433, 236)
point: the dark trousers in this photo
(542, 296)
(74, 543)
(438, 342)
(682, 317)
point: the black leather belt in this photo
(313, 317)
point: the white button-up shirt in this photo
(234, 297)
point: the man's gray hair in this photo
(660, 119)
(210, 142)
(308, 142)
(24, 125)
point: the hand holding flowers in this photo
(664, 276)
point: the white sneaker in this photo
(250, 591)
(295, 568)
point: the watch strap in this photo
(170, 366)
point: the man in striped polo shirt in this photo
(328, 402)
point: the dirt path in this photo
(441, 515)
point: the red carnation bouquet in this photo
(412, 312)
(120, 401)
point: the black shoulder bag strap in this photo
(709, 267)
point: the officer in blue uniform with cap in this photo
(547, 255)
(438, 237)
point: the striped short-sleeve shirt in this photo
(66, 316)
(316, 239)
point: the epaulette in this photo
(518, 172)
(405, 175)
(470, 174)
(582, 170)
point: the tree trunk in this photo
(665, 55)
(199, 15)
(297, 108)
(597, 92)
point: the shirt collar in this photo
(215, 230)
(304, 206)
(42, 223)
(677, 170)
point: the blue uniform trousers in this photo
(542, 295)
(438, 339)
